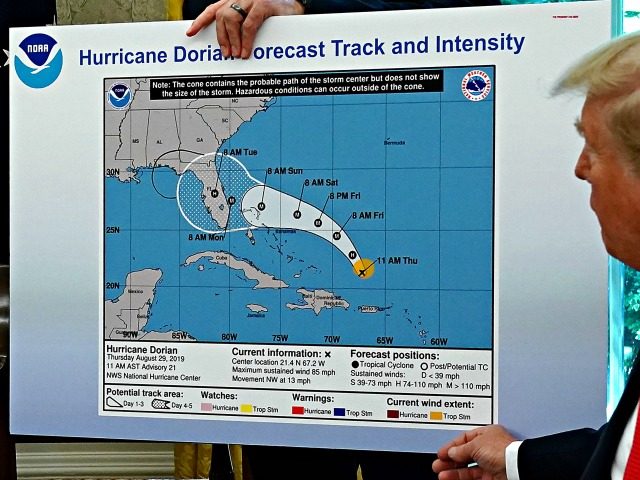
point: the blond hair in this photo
(613, 71)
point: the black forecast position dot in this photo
(231, 201)
(352, 255)
(336, 235)
(214, 193)
(261, 206)
(355, 364)
(297, 214)
(317, 222)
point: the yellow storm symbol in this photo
(364, 268)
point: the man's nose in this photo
(582, 167)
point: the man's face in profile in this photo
(615, 185)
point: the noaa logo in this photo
(476, 85)
(38, 63)
(119, 96)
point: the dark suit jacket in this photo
(584, 454)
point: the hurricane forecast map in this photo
(324, 239)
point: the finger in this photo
(250, 28)
(206, 18)
(462, 453)
(443, 452)
(440, 466)
(233, 26)
(222, 34)
(474, 473)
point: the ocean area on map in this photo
(418, 262)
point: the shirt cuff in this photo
(511, 460)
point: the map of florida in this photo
(235, 201)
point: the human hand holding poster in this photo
(343, 235)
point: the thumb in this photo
(461, 453)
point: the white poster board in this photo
(367, 235)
